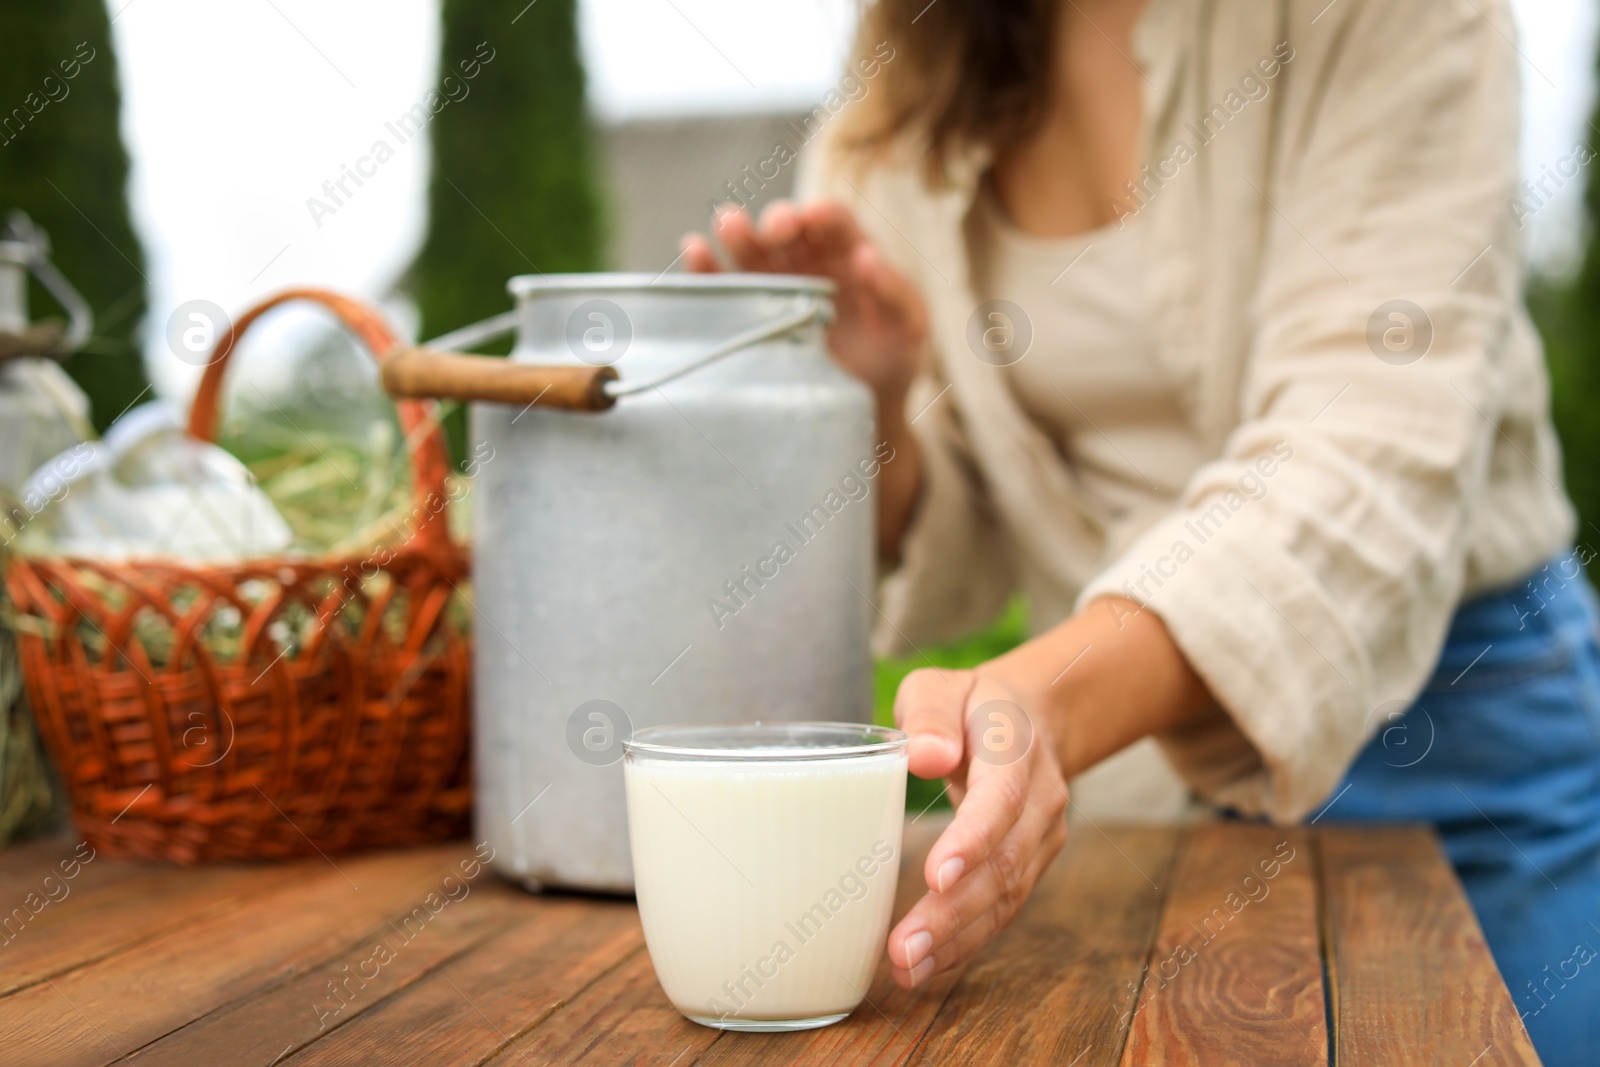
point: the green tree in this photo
(1567, 319)
(62, 161)
(513, 188)
(1568, 316)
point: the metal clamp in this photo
(24, 249)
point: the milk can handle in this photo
(46, 338)
(425, 372)
(422, 372)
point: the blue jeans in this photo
(1501, 752)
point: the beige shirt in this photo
(1076, 339)
(1333, 286)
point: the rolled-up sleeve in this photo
(1312, 570)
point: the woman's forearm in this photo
(1103, 679)
(899, 478)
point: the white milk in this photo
(765, 889)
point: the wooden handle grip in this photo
(419, 372)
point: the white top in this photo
(1090, 378)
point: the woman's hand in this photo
(1011, 799)
(880, 321)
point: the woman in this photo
(1200, 324)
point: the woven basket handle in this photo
(429, 457)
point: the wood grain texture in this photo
(1058, 986)
(1214, 932)
(311, 1004)
(1412, 976)
(624, 1018)
(103, 1011)
(93, 921)
(484, 1000)
(418, 372)
(23, 867)
(1236, 975)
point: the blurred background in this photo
(218, 152)
(200, 154)
(184, 154)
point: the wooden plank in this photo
(466, 1010)
(1236, 975)
(23, 867)
(623, 1019)
(101, 1012)
(890, 1022)
(1413, 978)
(93, 921)
(55, 869)
(227, 965)
(1058, 987)
(310, 1004)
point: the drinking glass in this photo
(765, 857)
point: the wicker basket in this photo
(263, 709)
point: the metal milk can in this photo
(690, 541)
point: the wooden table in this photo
(1216, 944)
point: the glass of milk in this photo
(765, 857)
